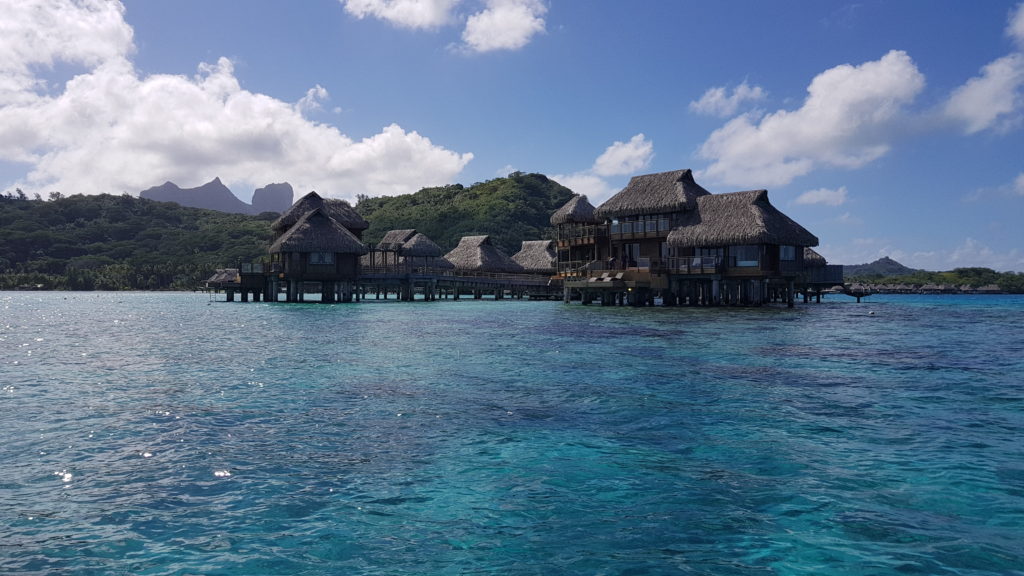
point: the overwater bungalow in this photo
(402, 261)
(316, 248)
(578, 235)
(665, 236)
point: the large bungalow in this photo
(665, 236)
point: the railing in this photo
(695, 265)
(640, 227)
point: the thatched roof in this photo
(659, 193)
(577, 209)
(420, 246)
(317, 232)
(339, 210)
(394, 239)
(537, 256)
(476, 253)
(738, 218)
(223, 276)
(812, 259)
(409, 243)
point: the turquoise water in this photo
(164, 434)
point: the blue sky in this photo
(885, 128)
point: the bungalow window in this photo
(745, 256)
(787, 253)
(321, 258)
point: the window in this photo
(321, 258)
(745, 256)
(787, 253)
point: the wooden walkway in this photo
(383, 282)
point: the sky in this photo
(885, 128)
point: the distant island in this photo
(887, 276)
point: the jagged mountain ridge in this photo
(214, 195)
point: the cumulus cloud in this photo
(34, 34)
(718, 102)
(619, 159)
(111, 129)
(845, 121)
(504, 25)
(995, 98)
(1018, 184)
(415, 14)
(499, 25)
(992, 100)
(624, 157)
(824, 196)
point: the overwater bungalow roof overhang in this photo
(318, 232)
(737, 218)
(661, 193)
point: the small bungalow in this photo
(579, 235)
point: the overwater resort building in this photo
(662, 238)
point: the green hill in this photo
(510, 210)
(109, 242)
(125, 243)
(883, 267)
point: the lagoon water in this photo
(146, 433)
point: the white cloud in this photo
(595, 188)
(995, 98)
(619, 159)
(1015, 29)
(624, 157)
(717, 101)
(1018, 184)
(42, 33)
(504, 25)
(992, 100)
(112, 130)
(415, 14)
(846, 121)
(824, 196)
(311, 101)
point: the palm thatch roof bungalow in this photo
(578, 232)
(537, 257)
(406, 249)
(317, 248)
(478, 254)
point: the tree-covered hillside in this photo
(120, 243)
(510, 210)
